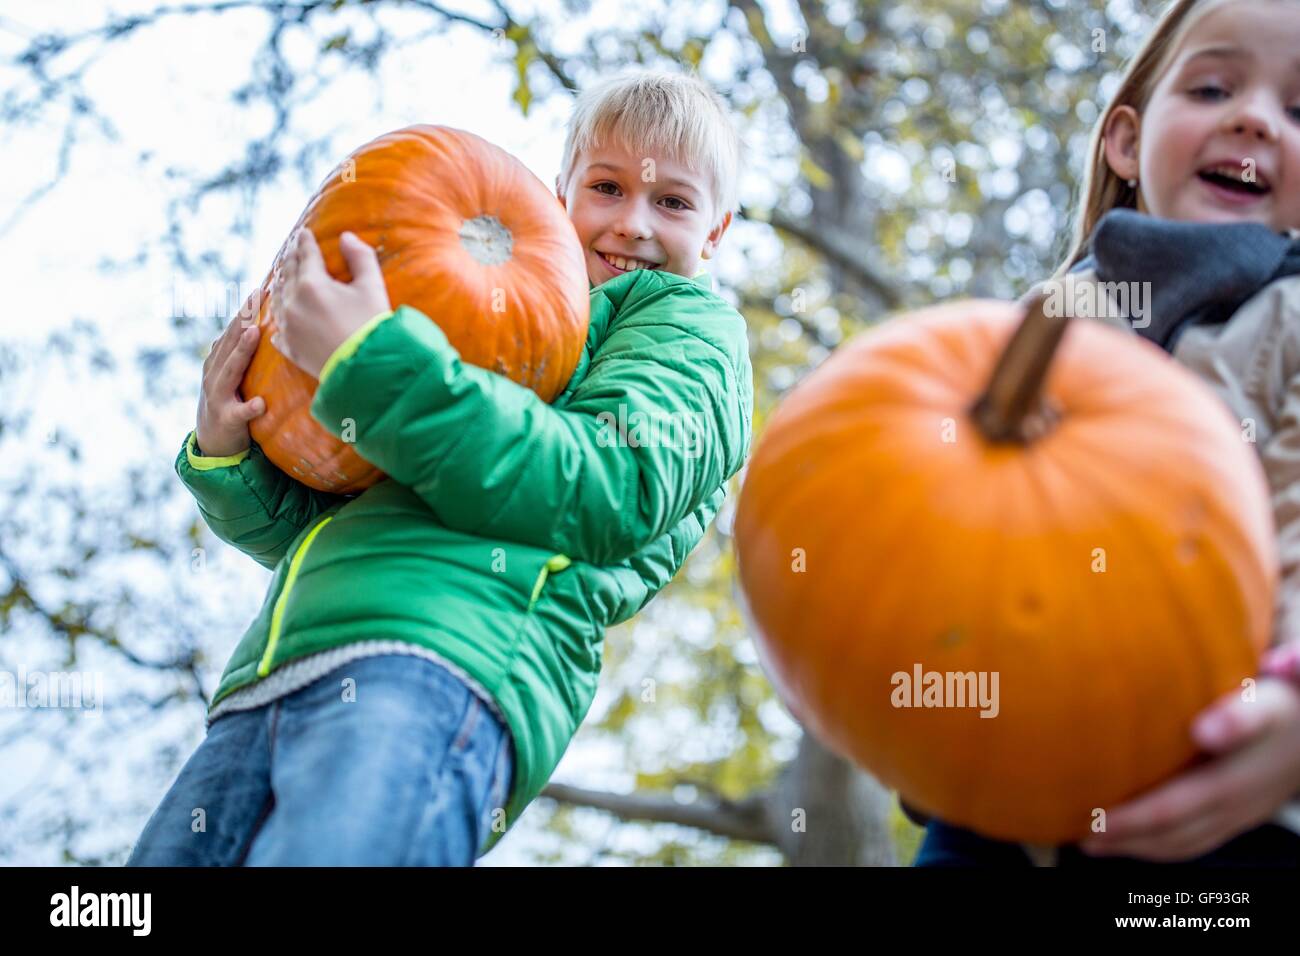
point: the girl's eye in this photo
(1295, 112)
(680, 203)
(1208, 91)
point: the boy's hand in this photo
(222, 427)
(315, 313)
(1256, 771)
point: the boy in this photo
(427, 649)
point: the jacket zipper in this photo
(264, 667)
(556, 562)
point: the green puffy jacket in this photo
(510, 532)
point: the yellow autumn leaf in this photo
(817, 177)
(523, 92)
(851, 145)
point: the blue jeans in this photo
(410, 773)
(947, 845)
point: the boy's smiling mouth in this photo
(624, 263)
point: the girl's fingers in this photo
(1171, 805)
(1153, 837)
(1222, 726)
(1233, 805)
(1227, 728)
(1192, 838)
(1203, 807)
(1283, 660)
(1233, 722)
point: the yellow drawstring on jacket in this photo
(556, 562)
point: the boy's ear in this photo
(1123, 135)
(714, 237)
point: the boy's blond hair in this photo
(674, 114)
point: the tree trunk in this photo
(824, 811)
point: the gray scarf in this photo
(1199, 272)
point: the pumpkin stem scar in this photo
(1012, 408)
(487, 239)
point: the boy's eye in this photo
(680, 203)
(609, 184)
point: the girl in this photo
(1194, 194)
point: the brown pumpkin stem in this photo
(1012, 407)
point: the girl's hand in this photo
(222, 427)
(1283, 661)
(315, 313)
(1256, 771)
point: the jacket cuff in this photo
(201, 462)
(350, 345)
(407, 347)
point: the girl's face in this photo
(1220, 138)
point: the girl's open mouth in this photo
(1233, 184)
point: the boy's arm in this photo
(248, 502)
(489, 456)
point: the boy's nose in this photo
(633, 223)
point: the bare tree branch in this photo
(745, 820)
(837, 246)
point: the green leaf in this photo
(523, 92)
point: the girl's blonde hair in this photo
(1101, 190)
(675, 114)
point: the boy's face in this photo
(645, 210)
(1228, 108)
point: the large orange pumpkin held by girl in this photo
(1004, 573)
(464, 233)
